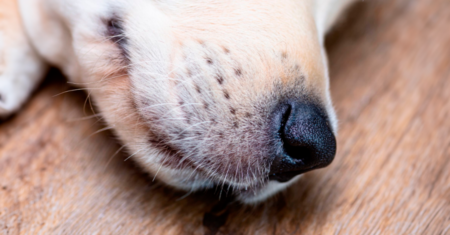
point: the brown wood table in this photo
(390, 68)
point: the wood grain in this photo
(390, 83)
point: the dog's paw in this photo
(16, 85)
(19, 76)
(18, 80)
(9, 98)
(21, 68)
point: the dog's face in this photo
(231, 94)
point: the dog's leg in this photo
(21, 68)
(327, 12)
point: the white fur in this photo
(178, 53)
(20, 67)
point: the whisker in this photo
(132, 155)
(110, 159)
(157, 173)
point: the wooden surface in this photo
(390, 68)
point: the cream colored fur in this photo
(196, 76)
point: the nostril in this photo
(286, 110)
(298, 152)
(293, 148)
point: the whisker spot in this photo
(238, 72)
(197, 88)
(226, 94)
(220, 79)
(235, 125)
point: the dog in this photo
(203, 94)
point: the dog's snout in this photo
(305, 140)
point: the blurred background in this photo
(390, 82)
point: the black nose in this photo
(304, 140)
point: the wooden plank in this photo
(391, 87)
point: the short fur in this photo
(186, 85)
